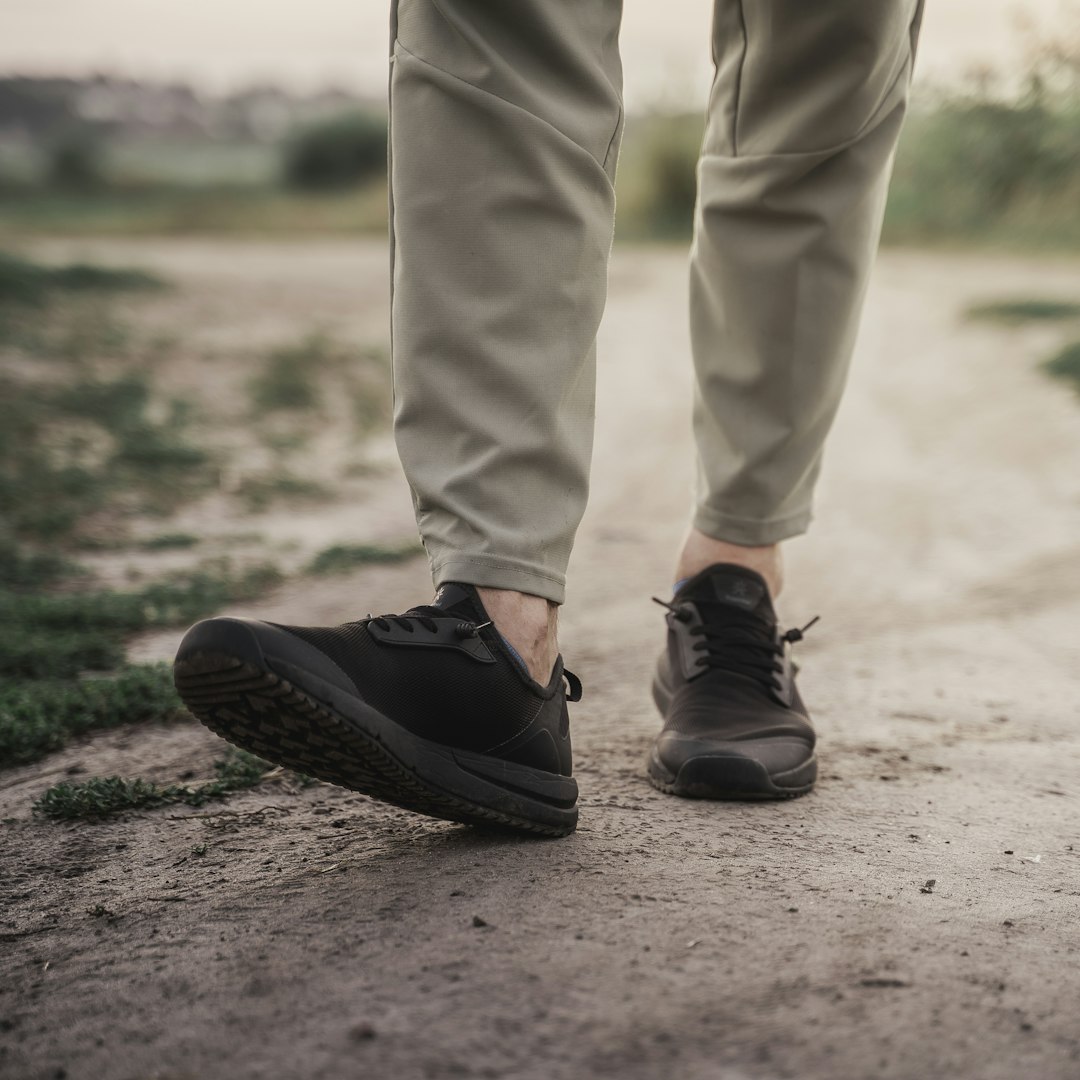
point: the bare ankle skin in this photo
(530, 624)
(700, 551)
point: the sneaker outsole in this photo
(260, 711)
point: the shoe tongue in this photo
(461, 601)
(731, 586)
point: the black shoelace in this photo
(426, 615)
(742, 643)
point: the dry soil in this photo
(917, 916)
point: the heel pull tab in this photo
(574, 685)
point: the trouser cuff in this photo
(748, 531)
(494, 572)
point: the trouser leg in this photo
(804, 114)
(505, 123)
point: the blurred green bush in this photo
(339, 152)
(657, 179)
(75, 160)
(975, 168)
(977, 165)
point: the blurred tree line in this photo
(985, 163)
(87, 135)
(982, 164)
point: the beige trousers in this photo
(506, 117)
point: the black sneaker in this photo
(428, 710)
(734, 724)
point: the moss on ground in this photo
(1025, 310)
(88, 445)
(23, 281)
(1066, 365)
(341, 558)
(105, 795)
(38, 717)
(51, 642)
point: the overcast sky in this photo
(221, 44)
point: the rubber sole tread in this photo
(779, 795)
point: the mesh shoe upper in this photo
(445, 694)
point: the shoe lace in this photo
(743, 643)
(426, 615)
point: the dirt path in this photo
(321, 935)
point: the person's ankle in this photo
(529, 623)
(700, 551)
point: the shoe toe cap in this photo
(712, 768)
(238, 638)
(777, 754)
(263, 645)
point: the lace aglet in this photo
(792, 636)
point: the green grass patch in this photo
(172, 541)
(284, 443)
(1020, 311)
(102, 796)
(142, 441)
(21, 569)
(57, 636)
(260, 492)
(23, 281)
(191, 210)
(37, 718)
(289, 379)
(293, 380)
(369, 388)
(77, 329)
(78, 456)
(71, 451)
(49, 641)
(1066, 365)
(88, 448)
(341, 558)
(78, 325)
(317, 380)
